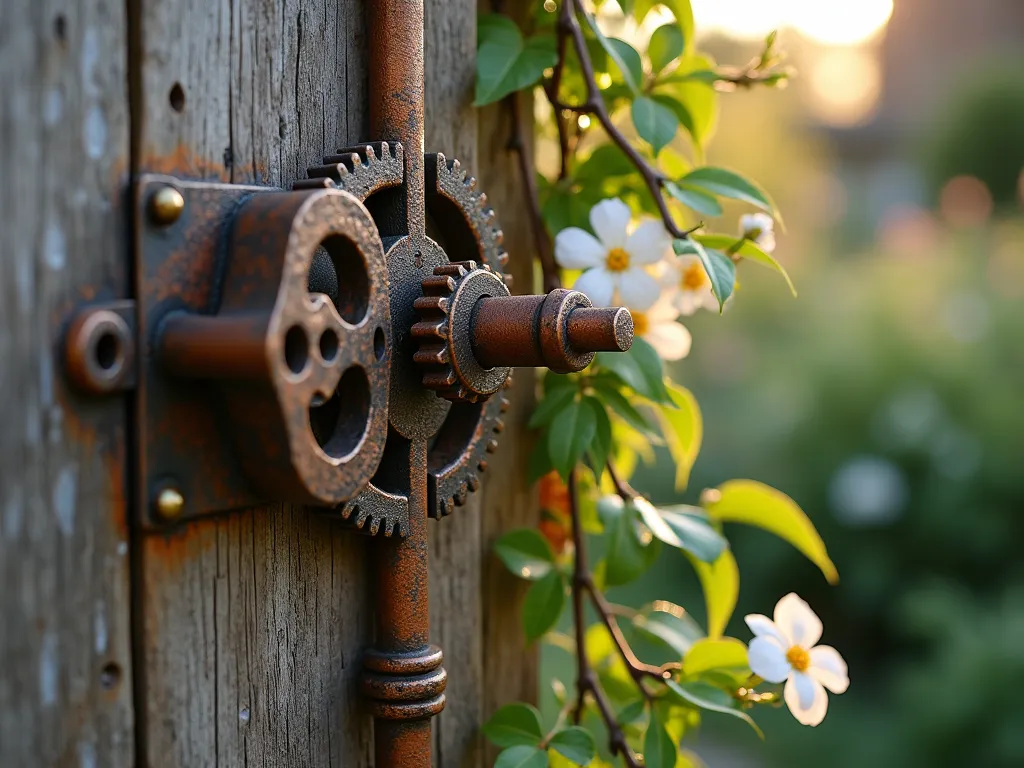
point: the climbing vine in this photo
(629, 214)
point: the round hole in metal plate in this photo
(329, 345)
(340, 421)
(107, 350)
(350, 280)
(296, 349)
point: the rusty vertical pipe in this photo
(397, 92)
(403, 676)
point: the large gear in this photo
(463, 224)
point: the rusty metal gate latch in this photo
(342, 345)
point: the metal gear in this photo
(464, 225)
(445, 346)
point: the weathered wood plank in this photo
(456, 599)
(252, 624)
(65, 655)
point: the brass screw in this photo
(170, 503)
(166, 205)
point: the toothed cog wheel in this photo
(444, 332)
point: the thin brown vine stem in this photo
(638, 670)
(624, 489)
(586, 679)
(569, 27)
(541, 241)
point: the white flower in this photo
(785, 650)
(614, 260)
(658, 327)
(759, 227)
(687, 278)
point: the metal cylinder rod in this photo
(532, 331)
(403, 675)
(397, 93)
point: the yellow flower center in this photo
(694, 277)
(640, 324)
(617, 260)
(798, 658)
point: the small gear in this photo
(444, 332)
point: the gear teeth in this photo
(461, 494)
(432, 355)
(432, 305)
(438, 285)
(482, 465)
(499, 427)
(360, 171)
(505, 404)
(492, 446)
(440, 381)
(429, 329)
(447, 506)
(473, 483)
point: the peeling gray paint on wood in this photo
(65, 697)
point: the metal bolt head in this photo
(166, 205)
(170, 503)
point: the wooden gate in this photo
(235, 640)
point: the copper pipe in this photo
(558, 331)
(404, 678)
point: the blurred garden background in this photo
(888, 399)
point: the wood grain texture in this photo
(65, 654)
(456, 596)
(252, 624)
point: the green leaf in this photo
(693, 532)
(574, 743)
(552, 404)
(700, 98)
(513, 725)
(640, 368)
(659, 749)
(522, 757)
(570, 435)
(607, 392)
(678, 109)
(712, 699)
(720, 269)
(505, 62)
(634, 712)
(704, 76)
(655, 122)
(726, 183)
(543, 605)
(666, 46)
(540, 462)
(753, 503)
(683, 429)
(699, 201)
(626, 557)
(563, 206)
(604, 162)
(748, 249)
(707, 654)
(623, 54)
(720, 582)
(630, 58)
(526, 553)
(670, 624)
(602, 442)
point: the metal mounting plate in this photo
(180, 436)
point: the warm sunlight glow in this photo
(832, 22)
(846, 84)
